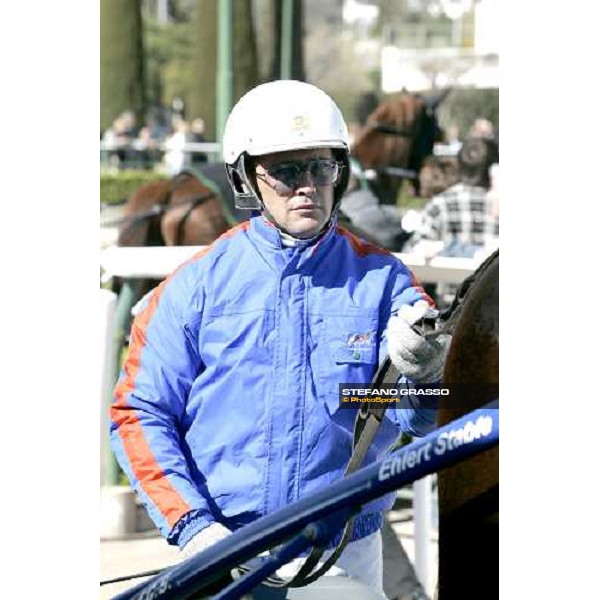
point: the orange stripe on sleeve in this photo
(143, 463)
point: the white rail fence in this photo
(140, 155)
(158, 262)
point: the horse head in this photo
(397, 137)
(427, 133)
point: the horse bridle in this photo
(408, 132)
(157, 210)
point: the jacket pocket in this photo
(349, 354)
(360, 355)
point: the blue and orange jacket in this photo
(227, 406)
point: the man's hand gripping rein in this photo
(418, 355)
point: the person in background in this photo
(119, 137)
(493, 202)
(176, 158)
(461, 218)
(453, 143)
(482, 128)
(197, 131)
(227, 408)
(146, 148)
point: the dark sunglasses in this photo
(284, 177)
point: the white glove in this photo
(203, 539)
(419, 358)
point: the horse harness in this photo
(165, 205)
(408, 132)
(193, 204)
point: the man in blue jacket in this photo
(227, 407)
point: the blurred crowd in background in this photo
(166, 144)
(156, 144)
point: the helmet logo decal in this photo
(300, 123)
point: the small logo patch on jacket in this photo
(360, 339)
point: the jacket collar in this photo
(267, 238)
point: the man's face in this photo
(298, 205)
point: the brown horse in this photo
(398, 136)
(181, 211)
(468, 492)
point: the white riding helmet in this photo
(279, 116)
